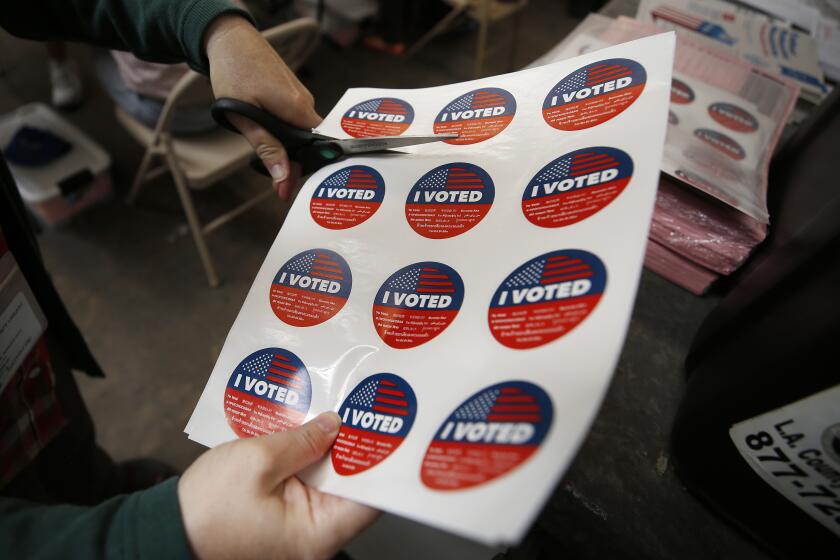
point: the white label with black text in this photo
(19, 331)
(796, 450)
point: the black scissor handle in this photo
(302, 146)
(292, 138)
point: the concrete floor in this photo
(131, 278)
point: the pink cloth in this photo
(677, 269)
(148, 78)
(701, 229)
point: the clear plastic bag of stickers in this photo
(726, 115)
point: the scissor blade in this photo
(383, 143)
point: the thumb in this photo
(296, 449)
(269, 150)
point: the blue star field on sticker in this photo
(477, 408)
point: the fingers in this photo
(298, 106)
(350, 518)
(292, 451)
(270, 151)
(295, 105)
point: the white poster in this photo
(462, 306)
(796, 450)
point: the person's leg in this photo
(67, 89)
(143, 109)
(186, 120)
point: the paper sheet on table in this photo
(462, 307)
(725, 119)
(753, 37)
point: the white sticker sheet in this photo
(796, 450)
(461, 306)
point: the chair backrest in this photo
(492, 10)
(294, 41)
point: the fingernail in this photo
(278, 173)
(328, 422)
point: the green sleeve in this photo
(141, 525)
(156, 30)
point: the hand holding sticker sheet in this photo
(461, 305)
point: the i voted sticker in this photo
(417, 303)
(546, 297)
(594, 94)
(310, 288)
(574, 186)
(384, 116)
(681, 92)
(347, 198)
(476, 116)
(375, 419)
(487, 436)
(733, 117)
(721, 142)
(268, 392)
(449, 200)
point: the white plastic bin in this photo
(61, 189)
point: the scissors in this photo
(313, 151)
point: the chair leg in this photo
(439, 28)
(192, 219)
(482, 39)
(140, 176)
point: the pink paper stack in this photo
(694, 239)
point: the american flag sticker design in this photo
(375, 419)
(594, 94)
(269, 391)
(416, 303)
(449, 200)
(347, 198)
(733, 117)
(681, 92)
(721, 142)
(674, 17)
(310, 288)
(546, 297)
(476, 116)
(384, 116)
(575, 186)
(487, 436)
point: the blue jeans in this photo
(186, 119)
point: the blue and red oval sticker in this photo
(383, 116)
(269, 391)
(347, 198)
(416, 303)
(594, 94)
(476, 116)
(375, 419)
(310, 288)
(575, 186)
(487, 436)
(546, 297)
(449, 200)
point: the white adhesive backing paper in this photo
(462, 306)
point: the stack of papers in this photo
(750, 36)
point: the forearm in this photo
(141, 525)
(157, 30)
